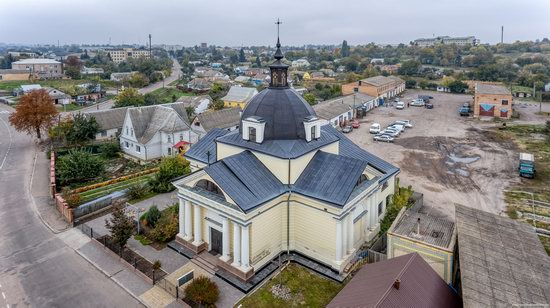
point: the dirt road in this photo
(448, 158)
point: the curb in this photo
(111, 278)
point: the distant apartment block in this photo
(446, 40)
(121, 55)
(42, 68)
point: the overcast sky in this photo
(239, 22)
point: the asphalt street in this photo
(176, 71)
(37, 269)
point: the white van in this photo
(374, 128)
(400, 105)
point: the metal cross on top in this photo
(278, 23)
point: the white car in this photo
(407, 123)
(399, 127)
(418, 103)
(391, 132)
(374, 128)
(400, 105)
(384, 137)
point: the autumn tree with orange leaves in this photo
(35, 112)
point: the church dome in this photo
(281, 108)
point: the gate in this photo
(504, 113)
(486, 110)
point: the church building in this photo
(281, 183)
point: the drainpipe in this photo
(288, 214)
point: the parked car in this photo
(464, 111)
(383, 137)
(355, 124)
(425, 98)
(374, 128)
(417, 103)
(408, 124)
(399, 105)
(391, 132)
(347, 129)
(399, 127)
(429, 106)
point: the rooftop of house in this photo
(36, 61)
(491, 89)
(149, 120)
(405, 281)
(240, 94)
(110, 118)
(332, 108)
(433, 230)
(379, 81)
(502, 261)
(219, 118)
(12, 71)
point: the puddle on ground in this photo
(462, 172)
(465, 160)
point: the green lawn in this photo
(308, 289)
(10, 85)
(167, 95)
(69, 107)
(105, 190)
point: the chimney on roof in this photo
(418, 226)
(359, 82)
(396, 284)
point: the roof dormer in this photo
(253, 129)
(312, 126)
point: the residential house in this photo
(377, 61)
(121, 55)
(228, 119)
(328, 72)
(282, 183)
(42, 68)
(432, 237)
(253, 71)
(300, 63)
(215, 65)
(26, 88)
(240, 70)
(110, 122)
(306, 76)
(260, 79)
(405, 281)
(86, 71)
(389, 68)
(316, 75)
(493, 101)
(379, 86)
(58, 96)
(122, 77)
(152, 132)
(199, 84)
(500, 262)
(238, 96)
(339, 111)
(441, 88)
(213, 75)
(199, 103)
(11, 74)
(242, 79)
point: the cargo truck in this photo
(526, 165)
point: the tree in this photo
(203, 291)
(410, 68)
(169, 169)
(190, 110)
(129, 97)
(78, 166)
(344, 52)
(410, 83)
(73, 66)
(35, 112)
(82, 129)
(120, 225)
(258, 61)
(242, 57)
(152, 216)
(310, 98)
(547, 131)
(139, 80)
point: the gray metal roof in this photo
(108, 119)
(330, 177)
(283, 110)
(246, 180)
(220, 118)
(502, 261)
(240, 94)
(492, 89)
(279, 148)
(199, 150)
(148, 120)
(378, 81)
(433, 230)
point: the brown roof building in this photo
(493, 101)
(405, 281)
(378, 86)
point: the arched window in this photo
(252, 134)
(209, 186)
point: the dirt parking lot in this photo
(448, 158)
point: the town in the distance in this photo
(330, 175)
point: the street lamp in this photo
(134, 210)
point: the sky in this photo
(245, 23)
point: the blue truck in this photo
(526, 165)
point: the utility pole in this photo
(150, 53)
(502, 34)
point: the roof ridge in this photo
(405, 267)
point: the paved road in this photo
(176, 71)
(37, 269)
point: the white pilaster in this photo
(181, 219)
(245, 244)
(198, 225)
(372, 209)
(188, 223)
(225, 244)
(345, 235)
(236, 245)
(350, 233)
(338, 241)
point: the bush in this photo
(72, 199)
(109, 150)
(203, 291)
(138, 190)
(169, 169)
(152, 216)
(79, 166)
(166, 226)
